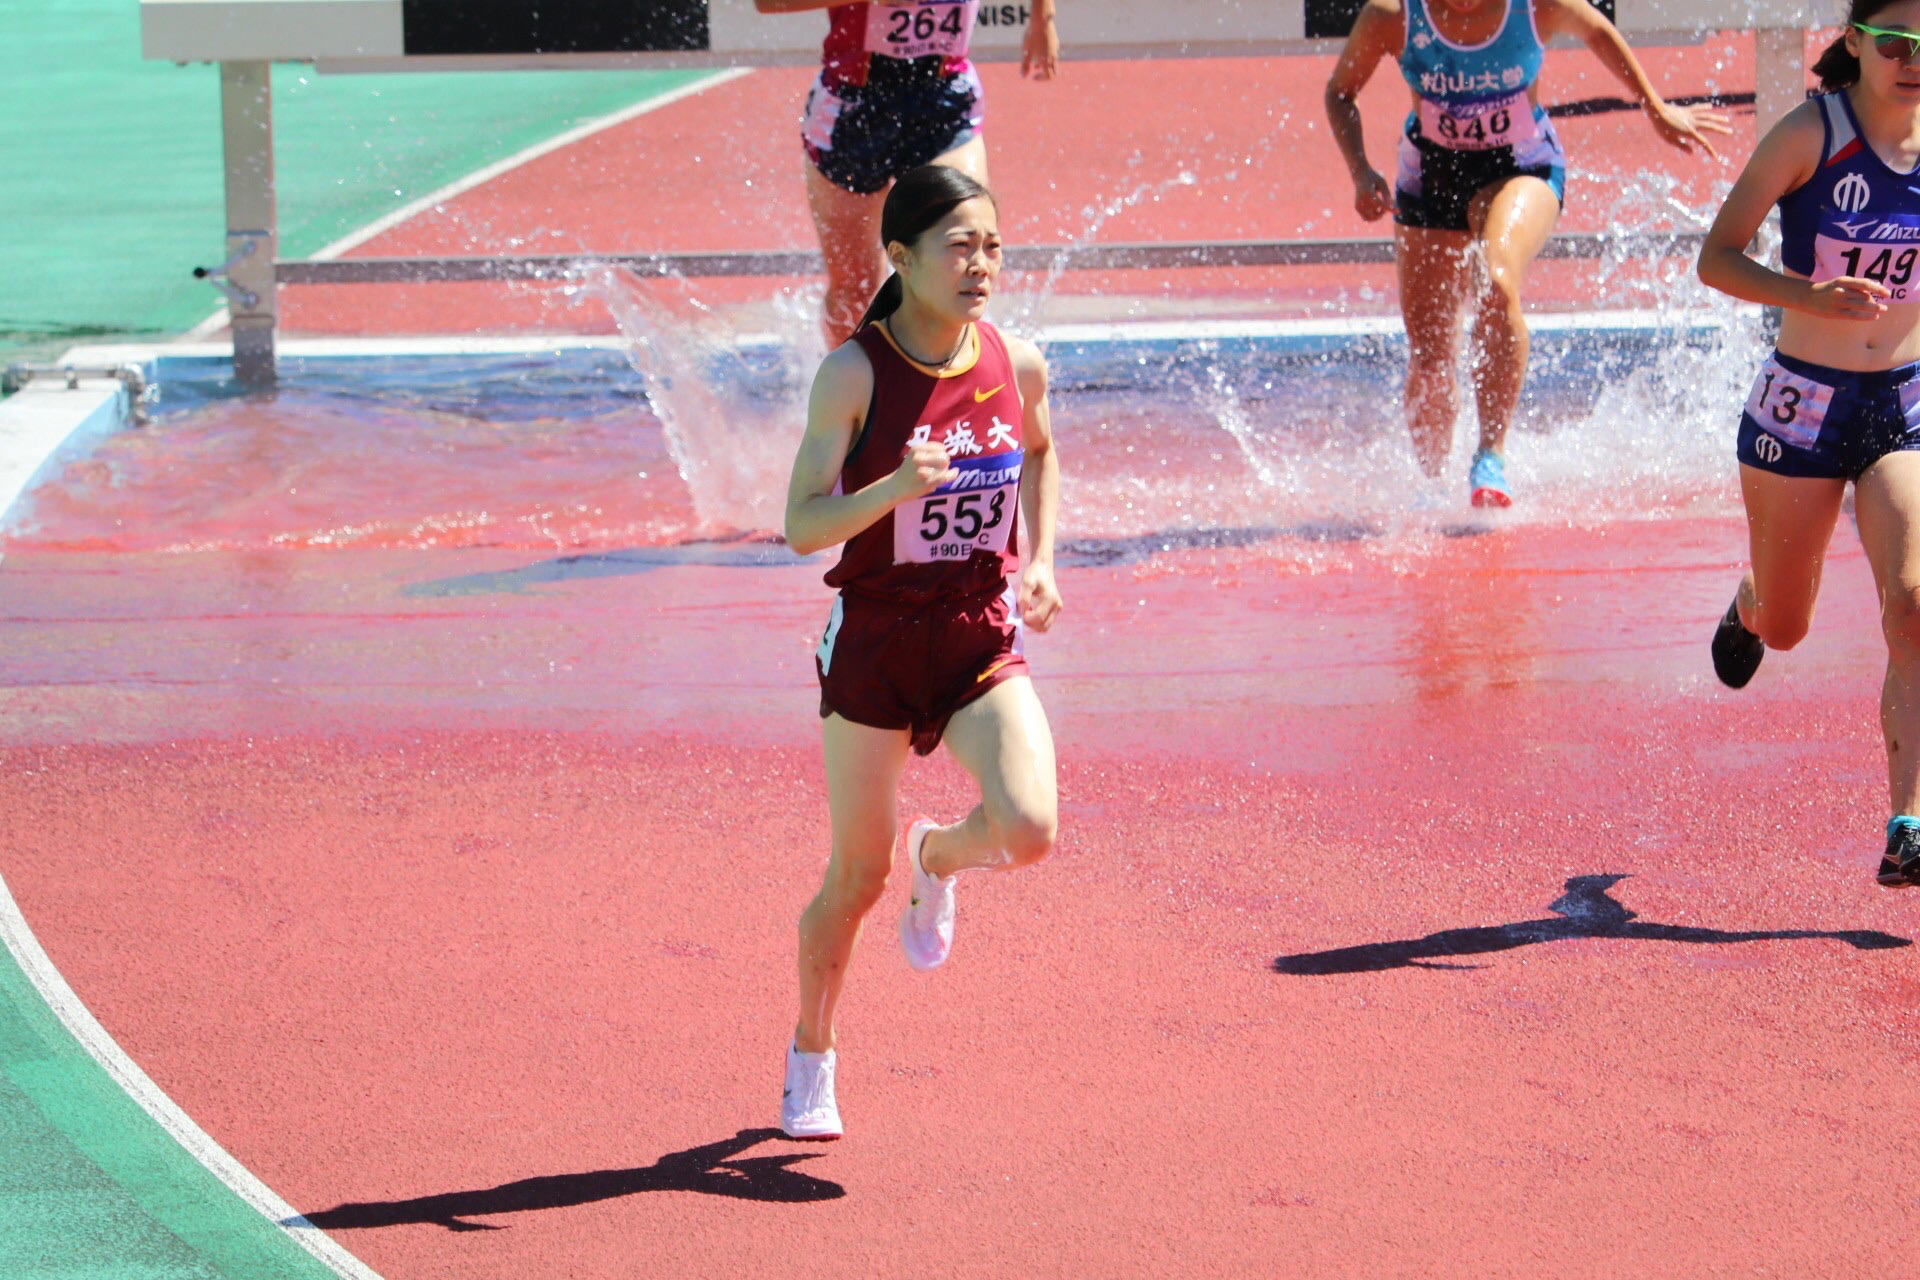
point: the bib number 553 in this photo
(968, 516)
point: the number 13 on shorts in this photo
(1787, 405)
(974, 512)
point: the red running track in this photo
(471, 906)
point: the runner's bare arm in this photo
(1039, 487)
(1785, 159)
(1040, 54)
(1377, 33)
(1683, 127)
(817, 517)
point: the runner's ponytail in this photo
(1837, 68)
(917, 202)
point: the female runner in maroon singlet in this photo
(927, 439)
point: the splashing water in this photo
(732, 450)
(1026, 309)
(687, 431)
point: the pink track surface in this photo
(456, 889)
(1250, 131)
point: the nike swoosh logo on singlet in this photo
(981, 397)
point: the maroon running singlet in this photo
(926, 619)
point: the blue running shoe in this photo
(1487, 481)
(1900, 864)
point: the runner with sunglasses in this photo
(1839, 400)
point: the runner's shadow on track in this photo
(740, 553)
(1584, 911)
(751, 552)
(715, 1169)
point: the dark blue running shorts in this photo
(1804, 419)
(909, 113)
(1435, 186)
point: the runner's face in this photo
(1896, 77)
(953, 266)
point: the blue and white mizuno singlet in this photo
(1856, 216)
(1476, 98)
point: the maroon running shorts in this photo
(911, 667)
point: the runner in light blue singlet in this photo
(1480, 182)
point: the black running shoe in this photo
(1900, 864)
(1736, 650)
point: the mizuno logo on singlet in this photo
(981, 397)
(988, 477)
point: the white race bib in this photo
(972, 512)
(1892, 265)
(943, 27)
(1789, 406)
(1503, 122)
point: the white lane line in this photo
(353, 240)
(52, 988)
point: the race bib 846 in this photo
(1503, 122)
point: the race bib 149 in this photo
(1892, 265)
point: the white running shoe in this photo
(926, 926)
(807, 1107)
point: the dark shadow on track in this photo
(713, 1169)
(1584, 911)
(1601, 106)
(766, 552)
(748, 552)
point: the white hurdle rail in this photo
(344, 36)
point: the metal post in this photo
(1780, 74)
(246, 120)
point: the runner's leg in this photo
(849, 228)
(1511, 221)
(970, 157)
(863, 776)
(1887, 505)
(1002, 738)
(1790, 520)
(1434, 268)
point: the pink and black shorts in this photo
(910, 667)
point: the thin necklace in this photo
(951, 356)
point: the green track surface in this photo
(112, 191)
(91, 1187)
